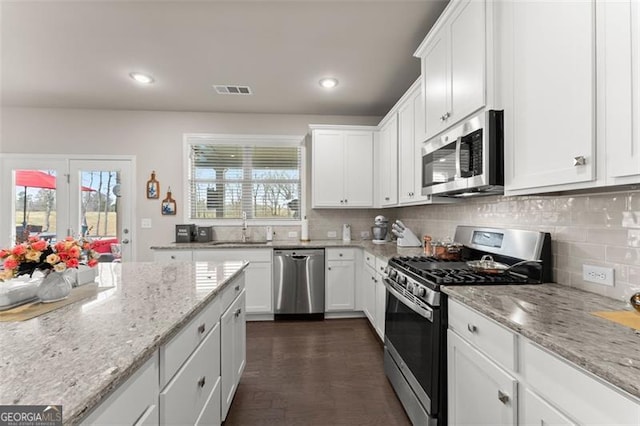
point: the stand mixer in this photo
(380, 229)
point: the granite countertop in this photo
(559, 318)
(76, 355)
(386, 250)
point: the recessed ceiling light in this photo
(329, 83)
(141, 78)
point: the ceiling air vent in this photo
(232, 89)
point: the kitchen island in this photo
(77, 355)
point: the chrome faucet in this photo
(244, 227)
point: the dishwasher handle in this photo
(297, 256)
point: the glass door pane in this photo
(35, 195)
(100, 203)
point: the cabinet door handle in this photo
(341, 201)
(579, 160)
(503, 397)
(472, 328)
(202, 381)
(201, 328)
(238, 288)
(387, 198)
(446, 115)
(238, 312)
(346, 201)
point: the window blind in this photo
(226, 179)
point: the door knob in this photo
(579, 161)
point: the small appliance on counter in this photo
(406, 238)
(346, 232)
(186, 233)
(380, 229)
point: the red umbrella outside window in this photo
(36, 179)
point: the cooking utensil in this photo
(446, 250)
(635, 301)
(487, 265)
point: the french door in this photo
(58, 196)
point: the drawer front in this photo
(340, 254)
(210, 414)
(164, 255)
(132, 400)
(252, 255)
(370, 260)
(581, 396)
(179, 348)
(490, 337)
(186, 395)
(231, 291)
(381, 264)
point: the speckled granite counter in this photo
(76, 355)
(386, 250)
(559, 318)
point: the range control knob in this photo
(392, 274)
(402, 279)
(422, 292)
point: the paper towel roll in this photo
(304, 231)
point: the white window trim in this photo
(282, 140)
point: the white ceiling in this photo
(73, 54)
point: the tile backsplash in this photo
(597, 229)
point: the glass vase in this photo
(55, 286)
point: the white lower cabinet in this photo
(369, 293)
(535, 411)
(233, 356)
(134, 402)
(374, 292)
(381, 297)
(486, 386)
(479, 391)
(186, 395)
(340, 280)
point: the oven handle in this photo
(422, 311)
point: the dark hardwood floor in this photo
(314, 373)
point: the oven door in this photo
(413, 338)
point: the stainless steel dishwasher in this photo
(298, 284)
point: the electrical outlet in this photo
(293, 234)
(145, 223)
(332, 234)
(598, 274)
(364, 235)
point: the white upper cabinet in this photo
(453, 57)
(619, 88)
(342, 167)
(388, 162)
(547, 76)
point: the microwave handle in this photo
(458, 163)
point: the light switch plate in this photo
(145, 223)
(598, 275)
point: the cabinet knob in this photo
(173, 257)
(340, 254)
(503, 397)
(341, 201)
(201, 328)
(238, 288)
(386, 198)
(202, 381)
(579, 161)
(472, 328)
(346, 201)
(329, 268)
(446, 115)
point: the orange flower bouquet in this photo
(38, 254)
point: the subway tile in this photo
(611, 202)
(607, 236)
(583, 217)
(628, 256)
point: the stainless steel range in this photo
(416, 310)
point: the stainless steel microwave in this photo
(467, 160)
